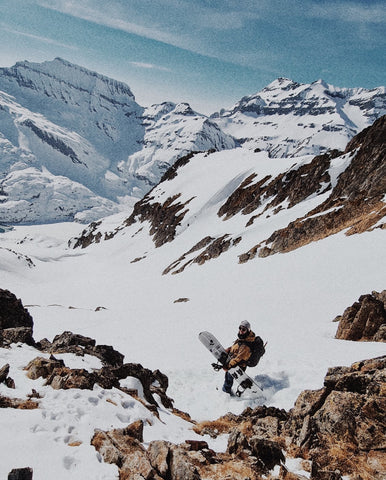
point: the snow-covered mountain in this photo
(291, 119)
(284, 204)
(75, 144)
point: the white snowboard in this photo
(244, 381)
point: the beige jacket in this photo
(240, 351)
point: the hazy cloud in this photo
(37, 37)
(350, 12)
(150, 66)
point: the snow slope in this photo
(290, 300)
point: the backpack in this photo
(257, 351)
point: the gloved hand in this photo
(216, 366)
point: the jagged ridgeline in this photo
(75, 144)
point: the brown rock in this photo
(68, 342)
(16, 335)
(42, 367)
(180, 466)
(267, 452)
(364, 320)
(4, 372)
(120, 448)
(159, 455)
(135, 430)
(356, 202)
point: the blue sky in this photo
(209, 53)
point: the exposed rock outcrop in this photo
(356, 202)
(61, 377)
(207, 248)
(68, 342)
(294, 187)
(16, 324)
(21, 474)
(339, 430)
(365, 320)
(12, 312)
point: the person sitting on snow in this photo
(239, 352)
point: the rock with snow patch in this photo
(68, 342)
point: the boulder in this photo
(342, 426)
(119, 447)
(365, 320)
(42, 367)
(268, 453)
(159, 452)
(16, 335)
(12, 312)
(4, 372)
(20, 474)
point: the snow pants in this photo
(228, 382)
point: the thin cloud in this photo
(49, 41)
(182, 28)
(91, 12)
(353, 13)
(150, 66)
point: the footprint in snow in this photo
(69, 462)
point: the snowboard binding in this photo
(217, 366)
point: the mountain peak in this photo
(281, 83)
(59, 74)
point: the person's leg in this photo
(228, 382)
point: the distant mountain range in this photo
(75, 145)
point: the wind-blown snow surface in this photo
(290, 300)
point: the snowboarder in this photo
(240, 352)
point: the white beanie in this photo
(246, 324)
